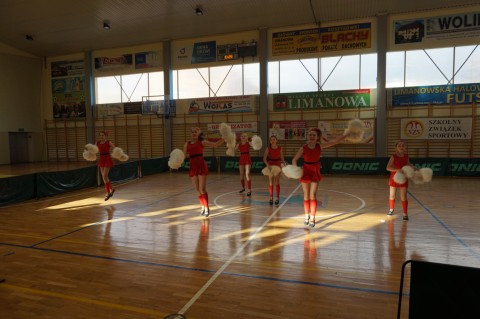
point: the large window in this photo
(128, 88)
(323, 74)
(455, 65)
(228, 80)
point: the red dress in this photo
(398, 162)
(245, 158)
(198, 166)
(311, 164)
(273, 158)
(105, 159)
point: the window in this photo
(128, 88)
(326, 74)
(226, 80)
(454, 65)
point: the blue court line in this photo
(464, 244)
(147, 263)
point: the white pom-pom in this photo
(231, 140)
(408, 171)
(230, 151)
(427, 174)
(292, 171)
(399, 177)
(355, 131)
(176, 159)
(417, 177)
(92, 148)
(266, 171)
(117, 153)
(123, 158)
(89, 156)
(256, 142)
(225, 130)
(275, 170)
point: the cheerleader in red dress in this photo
(398, 160)
(273, 156)
(105, 161)
(311, 176)
(198, 167)
(244, 163)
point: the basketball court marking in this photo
(247, 242)
(230, 260)
(323, 205)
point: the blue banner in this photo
(436, 95)
(204, 52)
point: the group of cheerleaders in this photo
(273, 156)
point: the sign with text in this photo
(348, 99)
(221, 104)
(119, 62)
(204, 52)
(437, 128)
(432, 29)
(236, 127)
(436, 95)
(315, 40)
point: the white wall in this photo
(20, 92)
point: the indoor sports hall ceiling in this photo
(60, 27)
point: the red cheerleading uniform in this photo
(273, 158)
(398, 162)
(198, 166)
(311, 164)
(105, 159)
(245, 158)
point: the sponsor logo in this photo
(346, 166)
(414, 128)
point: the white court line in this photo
(230, 260)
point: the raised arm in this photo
(213, 144)
(333, 142)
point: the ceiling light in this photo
(106, 25)
(199, 11)
(29, 37)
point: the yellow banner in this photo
(336, 38)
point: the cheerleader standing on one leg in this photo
(105, 162)
(311, 175)
(398, 160)
(244, 163)
(198, 167)
(273, 156)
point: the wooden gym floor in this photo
(146, 253)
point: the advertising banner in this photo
(348, 99)
(436, 95)
(68, 91)
(334, 128)
(119, 62)
(288, 130)
(221, 104)
(204, 52)
(236, 127)
(436, 128)
(315, 40)
(432, 29)
(145, 60)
